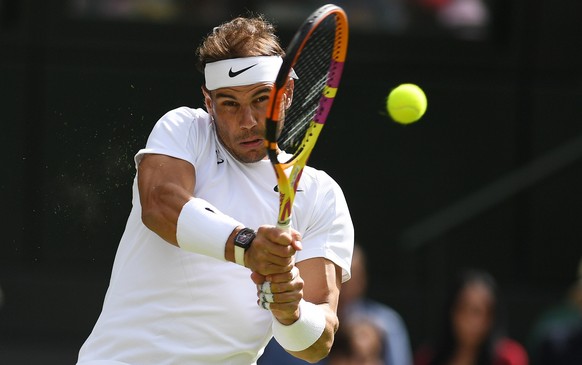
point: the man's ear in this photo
(289, 93)
(207, 100)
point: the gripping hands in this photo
(271, 258)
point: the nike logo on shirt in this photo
(232, 73)
(276, 189)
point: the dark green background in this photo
(79, 97)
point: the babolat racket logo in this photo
(232, 73)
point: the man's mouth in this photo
(252, 142)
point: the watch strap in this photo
(239, 255)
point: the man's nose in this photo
(248, 120)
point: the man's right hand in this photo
(273, 251)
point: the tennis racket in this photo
(310, 75)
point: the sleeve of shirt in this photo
(331, 231)
(172, 136)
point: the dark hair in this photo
(447, 343)
(241, 37)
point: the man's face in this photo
(239, 115)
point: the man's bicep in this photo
(165, 184)
(156, 170)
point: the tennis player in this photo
(186, 285)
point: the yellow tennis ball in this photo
(406, 103)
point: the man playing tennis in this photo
(180, 291)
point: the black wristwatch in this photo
(242, 241)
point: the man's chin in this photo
(251, 158)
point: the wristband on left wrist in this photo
(304, 332)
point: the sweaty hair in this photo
(240, 37)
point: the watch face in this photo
(244, 237)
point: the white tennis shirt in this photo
(165, 305)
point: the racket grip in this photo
(284, 226)
(287, 228)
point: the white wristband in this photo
(203, 229)
(304, 332)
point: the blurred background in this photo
(489, 178)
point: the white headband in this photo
(241, 71)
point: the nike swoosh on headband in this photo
(232, 73)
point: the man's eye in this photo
(262, 99)
(230, 103)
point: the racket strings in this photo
(312, 68)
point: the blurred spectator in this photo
(198, 12)
(367, 342)
(472, 332)
(355, 305)
(556, 337)
(358, 342)
(365, 15)
(563, 347)
(276, 355)
(467, 19)
(363, 315)
(341, 352)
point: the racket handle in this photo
(284, 226)
(287, 228)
